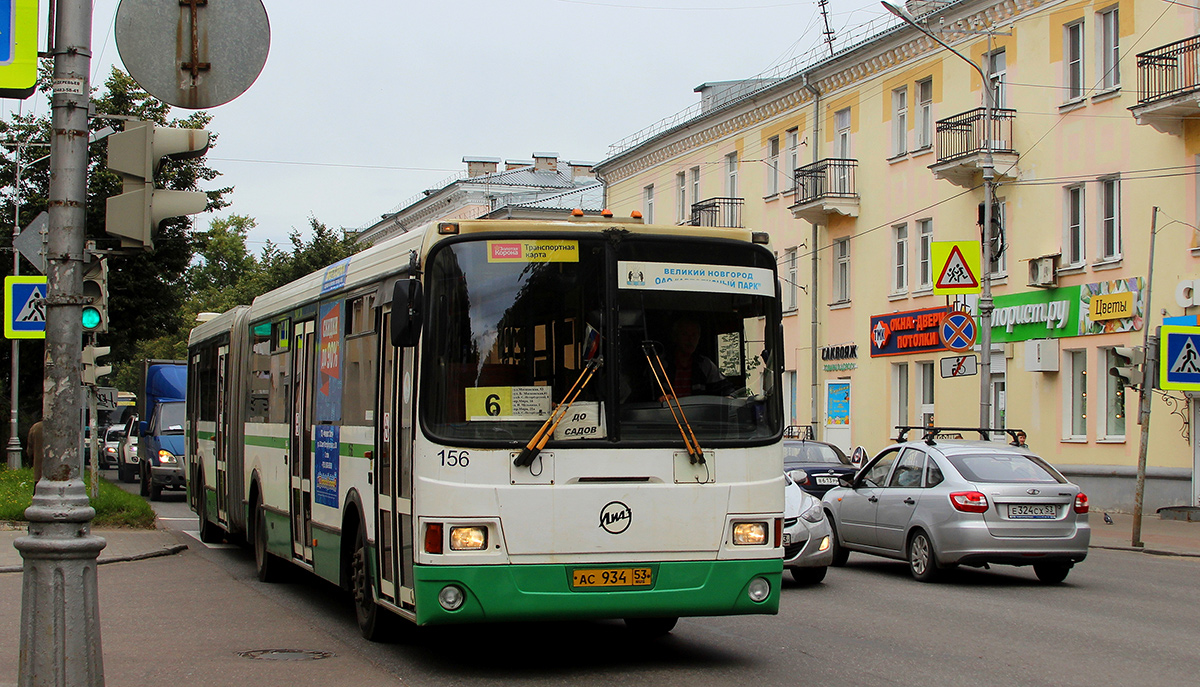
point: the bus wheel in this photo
(651, 627)
(368, 613)
(265, 562)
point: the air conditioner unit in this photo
(1043, 271)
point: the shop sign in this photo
(842, 352)
(902, 333)
(1067, 311)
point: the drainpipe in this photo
(813, 282)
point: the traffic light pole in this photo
(60, 618)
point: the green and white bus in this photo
(498, 420)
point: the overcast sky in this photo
(364, 104)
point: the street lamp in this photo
(989, 192)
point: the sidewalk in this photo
(1161, 537)
(169, 616)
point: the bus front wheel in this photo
(370, 617)
(265, 563)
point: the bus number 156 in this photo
(455, 458)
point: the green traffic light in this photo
(91, 317)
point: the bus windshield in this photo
(679, 333)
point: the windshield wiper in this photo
(538, 442)
(668, 391)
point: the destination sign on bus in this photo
(533, 251)
(671, 276)
(508, 402)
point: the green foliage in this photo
(114, 506)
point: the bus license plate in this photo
(612, 577)
(1031, 512)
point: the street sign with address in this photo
(959, 366)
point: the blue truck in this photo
(160, 428)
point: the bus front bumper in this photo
(546, 592)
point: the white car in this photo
(127, 452)
(807, 539)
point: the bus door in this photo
(393, 473)
(221, 450)
(300, 450)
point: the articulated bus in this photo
(498, 420)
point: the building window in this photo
(1114, 400)
(1110, 219)
(900, 121)
(1074, 217)
(925, 397)
(925, 238)
(900, 258)
(841, 270)
(998, 76)
(924, 114)
(1073, 59)
(1110, 38)
(695, 184)
(900, 401)
(648, 204)
(793, 155)
(841, 127)
(731, 175)
(1076, 397)
(773, 165)
(682, 213)
(789, 279)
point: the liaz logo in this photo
(615, 517)
(506, 251)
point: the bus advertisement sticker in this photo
(325, 482)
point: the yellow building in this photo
(867, 169)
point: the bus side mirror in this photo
(406, 312)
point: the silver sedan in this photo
(807, 540)
(941, 503)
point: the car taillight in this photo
(1081, 503)
(969, 501)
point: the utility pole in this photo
(1149, 368)
(60, 618)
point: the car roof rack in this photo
(804, 432)
(930, 432)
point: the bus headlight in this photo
(451, 597)
(750, 533)
(468, 538)
(759, 590)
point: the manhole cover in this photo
(285, 654)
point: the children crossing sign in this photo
(956, 267)
(1179, 358)
(25, 307)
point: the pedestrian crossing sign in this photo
(1179, 358)
(956, 267)
(25, 307)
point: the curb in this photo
(1152, 552)
(166, 551)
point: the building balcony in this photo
(717, 212)
(825, 188)
(963, 142)
(1169, 85)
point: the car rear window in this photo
(811, 453)
(1005, 467)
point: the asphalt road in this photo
(1121, 618)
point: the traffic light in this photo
(135, 155)
(95, 293)
(1128, 366)
(90, 372)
